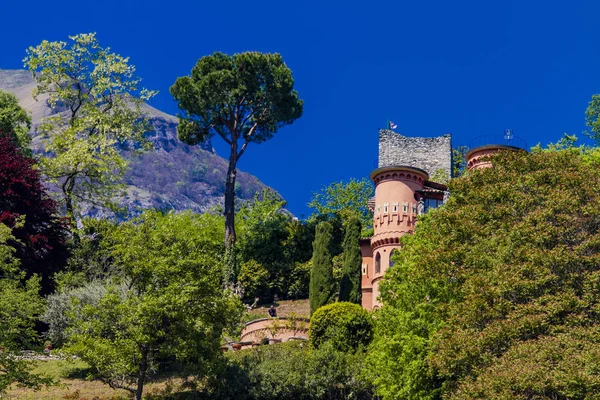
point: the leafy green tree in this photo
(270, 236)
(346, 199)
(291, 371)
(350, 289)
(173, 304)
(262, 233)
(99, 107)
(244, 98)
(592, 117)
(20, 305)
(91, 257)
(347, 326)
(14, 119)
(298, 252)
(322, 284)
(459, 161)
(564, 143)
(495, 296)
(299, 280)
(254, 279)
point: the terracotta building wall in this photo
(395, 215)
(367, 273)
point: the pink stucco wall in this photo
(395, 215)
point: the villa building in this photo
(405, 188)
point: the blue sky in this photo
(433, 67)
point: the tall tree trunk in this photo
(142, 375)
(230, 258)
(67, 189)
(230, 199)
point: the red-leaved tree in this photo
(41, 239)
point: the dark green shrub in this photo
(290, 371)
(346, 325)
(350, 289)
(322, 284)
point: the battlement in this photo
(429, 154)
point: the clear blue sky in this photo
(433, 67)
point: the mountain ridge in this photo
(172, 176)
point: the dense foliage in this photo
(273, 249)
(495, 296)
(14, 120)
(345, 199)
(292, 371)
(322, 285)
(20, 306)
(39, 241)
(346, 326)
(350, 285)
(170, 305)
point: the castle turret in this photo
(482, 147)
(402, 191)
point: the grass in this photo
(73, 384)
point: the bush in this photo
(254, 279)
(65, 305)
(299, 280)
(291, 371)
(346, 325)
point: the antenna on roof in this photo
(508, 134)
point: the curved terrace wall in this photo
(281, 329)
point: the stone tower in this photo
(402, 192)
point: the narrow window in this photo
(385, 208)
(405, 207)
(414, 209)
(378, 263)
(364, 269)
(395, 207)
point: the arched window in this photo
(392, 255)
(378, 263)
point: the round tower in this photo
(482, 147)
(395, 214)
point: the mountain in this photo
(172, 176)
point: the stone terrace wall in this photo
(254, 330)
(429, 154)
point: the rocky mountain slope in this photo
(173, 176)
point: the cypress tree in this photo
(350, 285)
(322, 284)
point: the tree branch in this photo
(115, 386)
(248, 138)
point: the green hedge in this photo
(346, 325)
